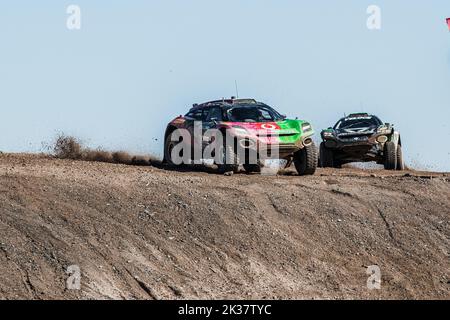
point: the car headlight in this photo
(306, 127)
(383, 130)
(327, 134)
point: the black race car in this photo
(361, 137)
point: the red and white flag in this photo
(448, 23)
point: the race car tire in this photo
(400, 161)
(390, 156)
(326, 157)
(230, 160)
(305, 160)
(168, 147)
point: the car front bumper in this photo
(355, 141)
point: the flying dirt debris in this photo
(146, 233)
(68, 147)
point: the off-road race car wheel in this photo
(326, 157)
(400, 162)
(168, 147)
(390, 156)
(230, 160)
(305, 160)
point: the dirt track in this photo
(148, 233)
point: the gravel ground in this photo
(149, 233)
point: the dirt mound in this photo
(147, 233)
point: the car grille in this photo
(277, 134)
(355, 138)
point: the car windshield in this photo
(252, 113)
(363, 122)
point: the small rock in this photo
(228, 173)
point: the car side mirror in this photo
(330, 128)
(283, 116)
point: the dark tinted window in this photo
(214, 113)
(266, 115)
(247, 113)
(360, 122)
(195, 114)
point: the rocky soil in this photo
(152, 233)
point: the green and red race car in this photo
(233, 132)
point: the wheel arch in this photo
(170, 128)
(395, 138)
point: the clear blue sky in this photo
(134, 65)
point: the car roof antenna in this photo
(236, 86)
